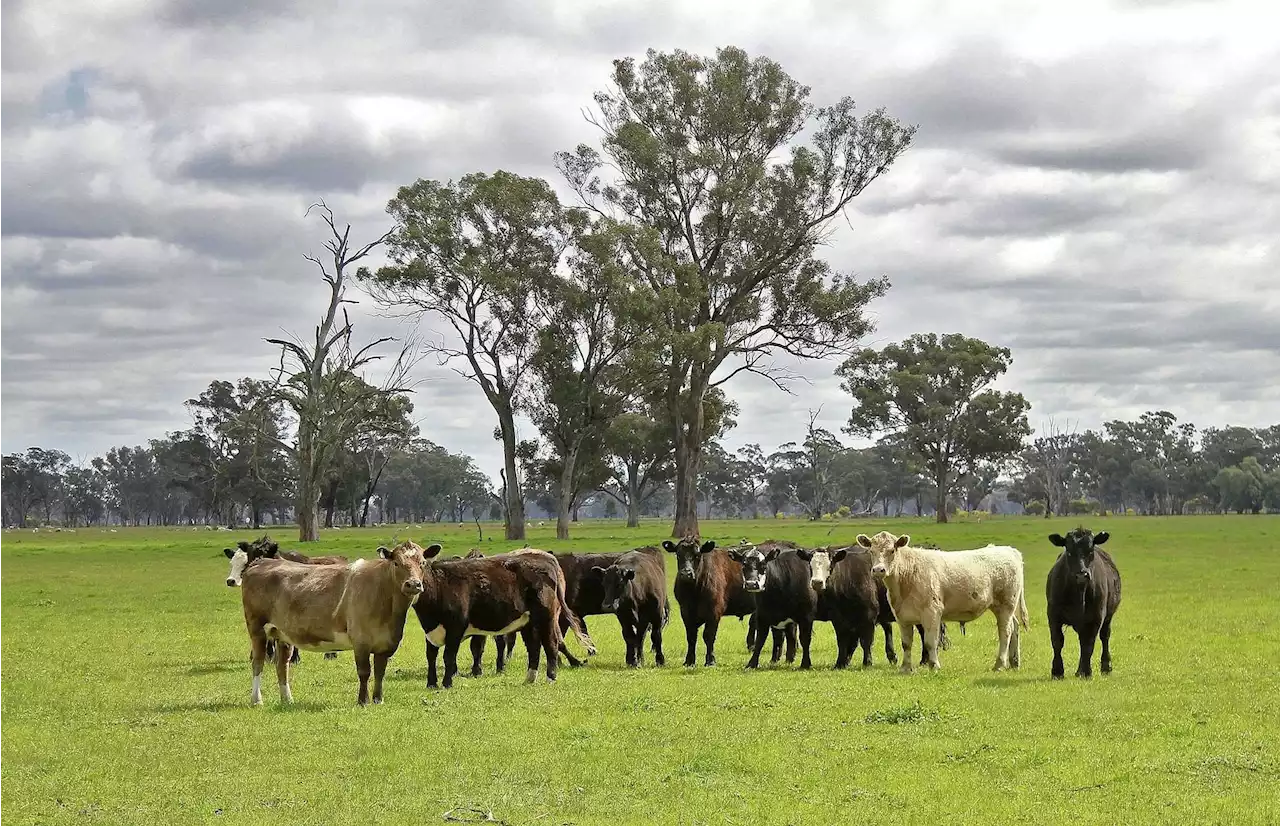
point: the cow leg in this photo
(806, 636)
(642, 630)
(432, 653)
(331, 655)
(754, 662)
(907, 631)
(929, 641)
(452, 642)
(1015, 643)
(257, 658)
(944, 642)
(362, 671)
(1088, 638)
(709, 639)
(500, 643)
(1057, 638)
(477, 652)
(655, 635)
(379, 670)
(629, 637)
(776, 653)
(691, 641)
(889, 654)
(868, 641)
(296, 656)
(843, 652)
(534, 648)
(553, 662)
(565, 632)
(1105, 635)
(790, 633)
(284, 655)
(1004, 618)
(924, 645)
(751, 632)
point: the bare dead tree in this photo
(321, 381)
(1048, 461)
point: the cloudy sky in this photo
(1096, 188)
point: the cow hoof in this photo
(1057, 675)
(659, 661)
(528, 678)
(906, 669)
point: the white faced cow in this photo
(929, 586)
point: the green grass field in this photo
(126, 700)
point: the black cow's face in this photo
(1078, 548)
(689, 555)
(755, 564)
(616, 581)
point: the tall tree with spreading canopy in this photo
(591, 319)
(475, 254)
(320, 381)
(725, 211)
(932, 392)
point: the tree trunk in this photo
(688, 456)
(257, 516)
(308, 519)
(514, 494)
(330, 502)
(940, 497)
(565, 508)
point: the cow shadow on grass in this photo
(1019, 680)
(215, 706)
(206, 668)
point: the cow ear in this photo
(669, 546)
(1057, 539)
(242, 545)
(230, 553)
(864, 540)
(839, 555)
(736, 556)
(772, 555)
(628, 575)
(596, 569)
(431, 550)
(806, 555)
(1101, 537)
(708, 546)
(903, 541)
(270, 551)
(384, 552)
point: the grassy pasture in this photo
(126, 687)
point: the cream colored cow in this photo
(930, 587)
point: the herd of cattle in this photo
(330, 604)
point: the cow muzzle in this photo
(818, 584)
(878, 571)
(753, 586)
(231, 583)
(613, 606)
(413, 586)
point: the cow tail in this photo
(1022, 609)
(574, 622)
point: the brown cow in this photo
(522, 590)
(708, 587)
(359, 607)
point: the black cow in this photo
(635, 589)
(779, 580)
(1083, 591)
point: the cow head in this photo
(616, 580)
(755, 564)
(688, 555)
(1078, 548)
(820, 561)
(410, 561)
(884, 547)
(246, 552)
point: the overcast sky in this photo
(1096, 187)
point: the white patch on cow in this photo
(516, 625)
(238, 560)
(358, 564)
(286, 696)
(256, 696)
(436, 636)
(820, 567)
(783, 624)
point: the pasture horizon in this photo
(142, 711)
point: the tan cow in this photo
(929, 587)
(359, 607)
